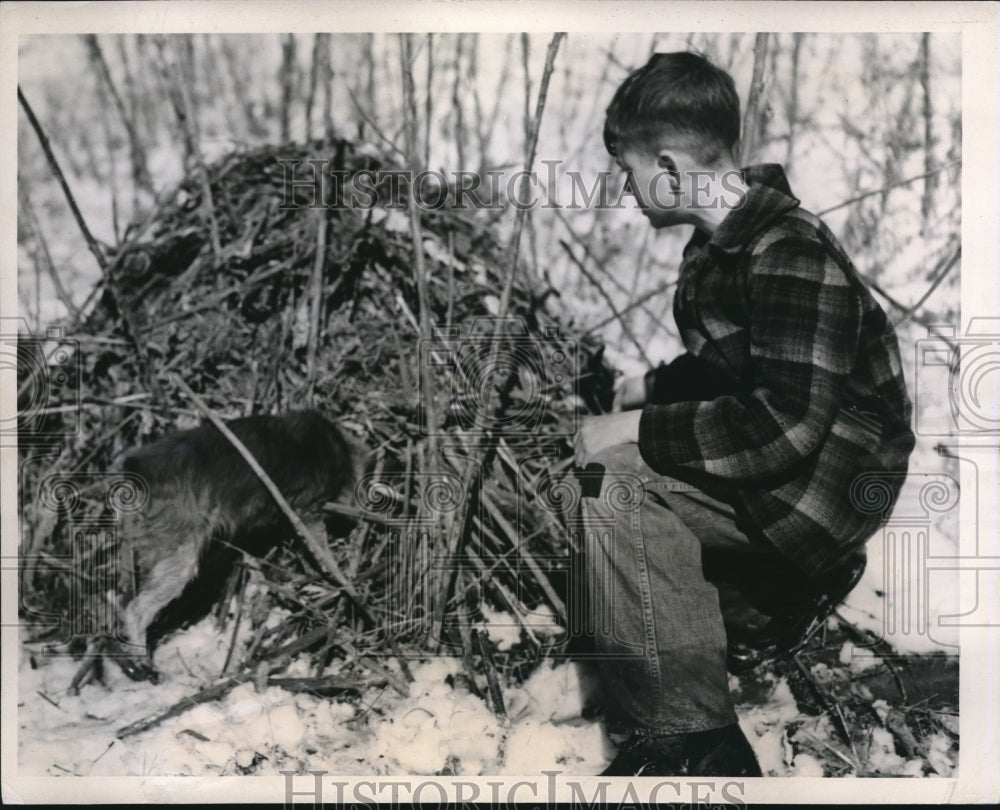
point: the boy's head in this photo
(676, 100)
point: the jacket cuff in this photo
(651, 427)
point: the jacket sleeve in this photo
(804, 332)
(687, 377)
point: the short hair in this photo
(681, 96)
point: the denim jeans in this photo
(656, 621)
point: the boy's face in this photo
(654, 182)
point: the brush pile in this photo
(260, 306)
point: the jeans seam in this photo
(649, 619)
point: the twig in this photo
(866, 638)
(465, 634)
(832, 710)
(188, 126)
(639, 302)
(91, 659)
(659, 289)
(357, 514)
(243, 574)
(138, 155)
(934, 285)
(328, 686)
(519, 546)
(316, 294)
(375, 128)
(324, 687)
(492, 681)
(855, 766)
(948, 340)
(42, 695)
(54, 165)
(607, 300)
(61, 292)
(884, 189)
(513, 249)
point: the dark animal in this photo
(202, 494)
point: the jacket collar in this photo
(768, 197)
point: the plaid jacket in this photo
(801, 382)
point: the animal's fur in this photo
(201, 491)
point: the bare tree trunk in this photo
(526, 68)
(486, 134)
(930, 181)
(288, 49)
(109, 148)
(755, 102)
(93, 165)
(368, 58)
(216, 85)
(140, 171)
(239, 83)
(429, 102)
(429, 461)
(327, 84)
(148, 101)
(313, 73)
(412, 152)
(473, 76)
(793, 100)
(189, 72)
(189, 130)
(456, 103)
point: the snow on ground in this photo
(440, 728)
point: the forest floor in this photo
(842, 707)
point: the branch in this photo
(61, 292)
(934, 285)
(588, 253)
(946, 339)
(607, 299)
(138, 154)
(659, 289)
(95, 249)
(884, 189)
(183, 108)
(419, 268)
(316, 293)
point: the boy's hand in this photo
(631, 394)
(598, 433)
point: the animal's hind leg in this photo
(161, 585)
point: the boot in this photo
(716, 752)
(785, 634)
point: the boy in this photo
(744, 461)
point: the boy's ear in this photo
(666, 162)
